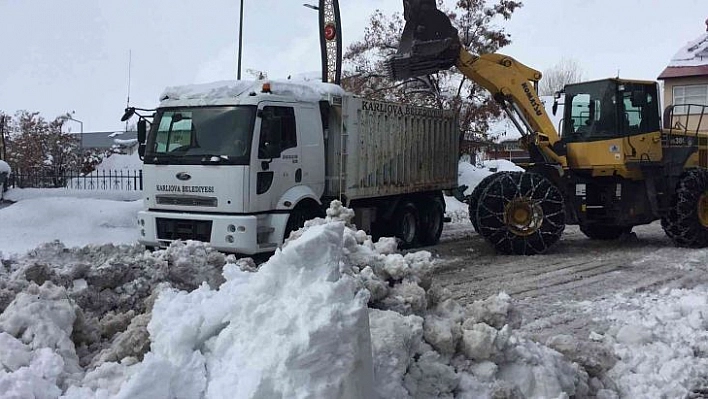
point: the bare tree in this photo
(555, 78)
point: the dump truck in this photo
(242, 164)
(617, 162)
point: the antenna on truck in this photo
(127, 102)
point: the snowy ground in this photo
(331, 315)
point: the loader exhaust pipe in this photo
(429, 42)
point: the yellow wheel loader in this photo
(612, 166)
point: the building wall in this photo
(690, 121)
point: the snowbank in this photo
(661, 341)
(20, 223)
(126, 162)
(117, 322)
(4, 167)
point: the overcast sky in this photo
(72, 55)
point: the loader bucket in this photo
(429, 42)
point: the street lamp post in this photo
(81, 124)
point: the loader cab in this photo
(609, 109)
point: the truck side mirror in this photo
(555, 106)
(142, 133)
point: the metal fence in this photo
(111, 180)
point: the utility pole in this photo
(240, 41)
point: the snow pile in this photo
(4, 168)
(116, 221)
(118, 162)
(296, 327)
(661, 340)
(470, 176)
(4, 172)
(695, 53)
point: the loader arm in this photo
(430, 43)
(513, 86)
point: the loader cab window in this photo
(641, 108)
(591, 112)
(278, 131)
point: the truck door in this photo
(278, 164)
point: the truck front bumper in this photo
(226, 233)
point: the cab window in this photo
(278, 131)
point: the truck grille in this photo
(181, 229)
(186, 200)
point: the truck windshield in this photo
(195, 135)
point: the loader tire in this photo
(604, 232)
(473, 199)
(432, 218)
(521, 214)
(687, 220)
(406, 225)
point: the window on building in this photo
(693, 94)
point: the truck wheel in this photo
(432, 219)
(604, 232)
(521, 214)
(687, 220)
(298, 217)
(473, 199)
(406, 225)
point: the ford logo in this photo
(183, 176)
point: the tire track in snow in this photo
(549, 287)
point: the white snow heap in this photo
(298, 326)
(230, 92)
(661, 340)
(38, 355)
(4, 167)
(695, 53)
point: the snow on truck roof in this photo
(231, 92)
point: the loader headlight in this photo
(231, 228)
(230, 239)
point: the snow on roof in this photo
(230, 92)
(695, 53)
(691, 60)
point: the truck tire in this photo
(473, 199)
(687, 220)
(298, 217)
(604, 232)
(432, 221)
(406, 225)
(521, 214)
